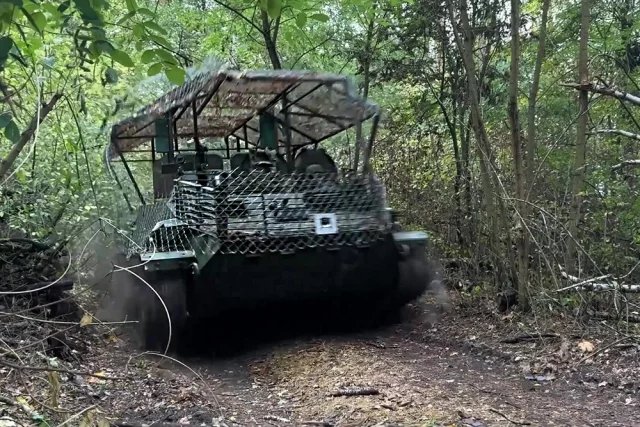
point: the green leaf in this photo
(111, 75)
(153, 26)
(131, 5)
(148, 56)
(166, 56)
(21, 175)
(126, 17)
(146, 12)
(18, 3)
(12, 132)
(36, 19)
(274, 7)
(154, 69)
(104, 46)
(138, 30)
(88, 13)
(5, 119)
(160, 40)
(301, 19)
(122, 58)
(6, 43)
(320, 17)
(175, 75)
(63, 6)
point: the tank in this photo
(249, 210)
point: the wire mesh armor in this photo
(256, 212)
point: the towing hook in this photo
(195, 270)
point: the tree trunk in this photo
(514, 121)
(270, 39)
(533, 98)
(366, 71)
(578, 172)
(7, 162)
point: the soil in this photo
(456, 371)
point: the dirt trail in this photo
(456, 373)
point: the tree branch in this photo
(617, 132)
(635, 163)
(7, 162)
(618, 94)
(237, 12)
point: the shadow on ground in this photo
(232, 335)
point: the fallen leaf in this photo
(586, 346)
(86, 319)
(97, 380)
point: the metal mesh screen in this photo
(258, 211)
(158, 232)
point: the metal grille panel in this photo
(258, 211)
(157, 231)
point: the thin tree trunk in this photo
(495, 217)
(7, 162)
(516, 146)
(578, 172)
(366, 71)
(270, 40)
(533, 99)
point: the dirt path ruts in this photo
(449, 375)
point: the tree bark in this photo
(516, 146)
(7, 162)
(578, 172)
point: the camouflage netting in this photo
(319, 106)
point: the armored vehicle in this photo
(249, 209)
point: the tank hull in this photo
(237, 282)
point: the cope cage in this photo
(248, 209)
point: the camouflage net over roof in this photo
(229, 101)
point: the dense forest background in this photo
(510, 133)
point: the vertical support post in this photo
(356, 158)
(226, 144)
(124, 194)
(366, 167)
(173, 124)
(246, 137)
(196, 137)
(287, 133)
(133, 180)
(237, 144)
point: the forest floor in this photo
(473, 367)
